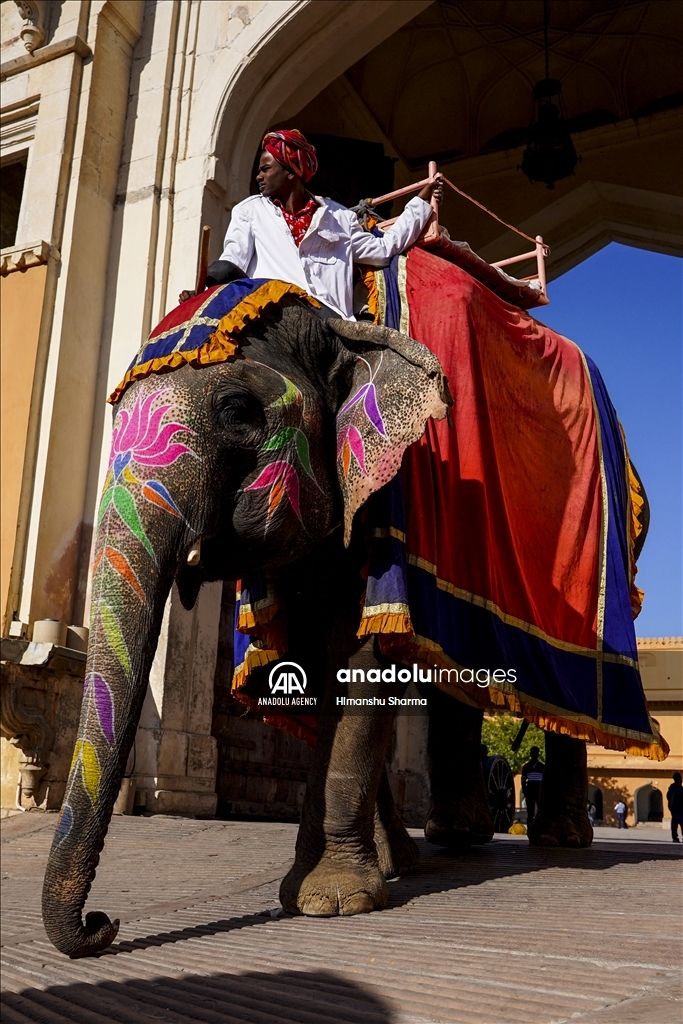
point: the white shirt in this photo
(259, 242)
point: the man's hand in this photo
(184, 296)
(435, 188)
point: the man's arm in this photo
(377, 251)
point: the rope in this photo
(494, 215)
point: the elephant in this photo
(237, 461)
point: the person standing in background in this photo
(620, 808)
(674, 798)
(532, 777)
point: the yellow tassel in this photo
(385, 622)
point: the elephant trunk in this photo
(131, 581)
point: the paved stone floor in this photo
(504, 933)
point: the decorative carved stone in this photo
(40, 700)
(27, 256)
(27, 729)
(30, 731)
(33, 30)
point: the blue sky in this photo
(623, 307)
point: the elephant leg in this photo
(562, 816)
(397, 853)
(458, 812)
(336, 870)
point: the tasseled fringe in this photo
(580, 730)
(254, 657)
(221, 345)
(413, 649)
(215, 350)
(385, 622)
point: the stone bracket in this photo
(33, 13)
(24, 256)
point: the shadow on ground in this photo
(296, 996)
(440, 870)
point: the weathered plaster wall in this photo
(74, 348)
(21, 308)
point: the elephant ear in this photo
(396, 385)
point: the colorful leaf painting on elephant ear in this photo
(367, 394)
(350, 443)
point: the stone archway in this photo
(648, 804)
(305, 51)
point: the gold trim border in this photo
(511, 620)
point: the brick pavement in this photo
(505, 933)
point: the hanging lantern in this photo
(550, 154)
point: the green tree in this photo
(498, 734)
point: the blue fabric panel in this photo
(223, 301)
(477, 638)
(393, 314)
(623, 700)
(619, 635)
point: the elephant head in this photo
(259, 458)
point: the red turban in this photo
(292, 151)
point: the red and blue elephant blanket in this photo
(508, 540)
(505, 545)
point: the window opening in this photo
(11, 191)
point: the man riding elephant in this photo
(287, 234)
(248, 423)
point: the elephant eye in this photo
(239, 414)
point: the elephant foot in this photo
(571, 829)
(397, 853)
(459, 825)
(333, 888)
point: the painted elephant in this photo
(241, 456)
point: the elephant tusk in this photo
(195, 553)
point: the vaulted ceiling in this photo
(456, 81)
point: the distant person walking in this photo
(532, 777)
(674, 798)
(620, 808)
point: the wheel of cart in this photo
(500, 788)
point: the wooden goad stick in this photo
(203, 261)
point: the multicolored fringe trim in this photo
(261, 638)
(205, 329)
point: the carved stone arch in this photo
(285, 63)
(595, 214)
